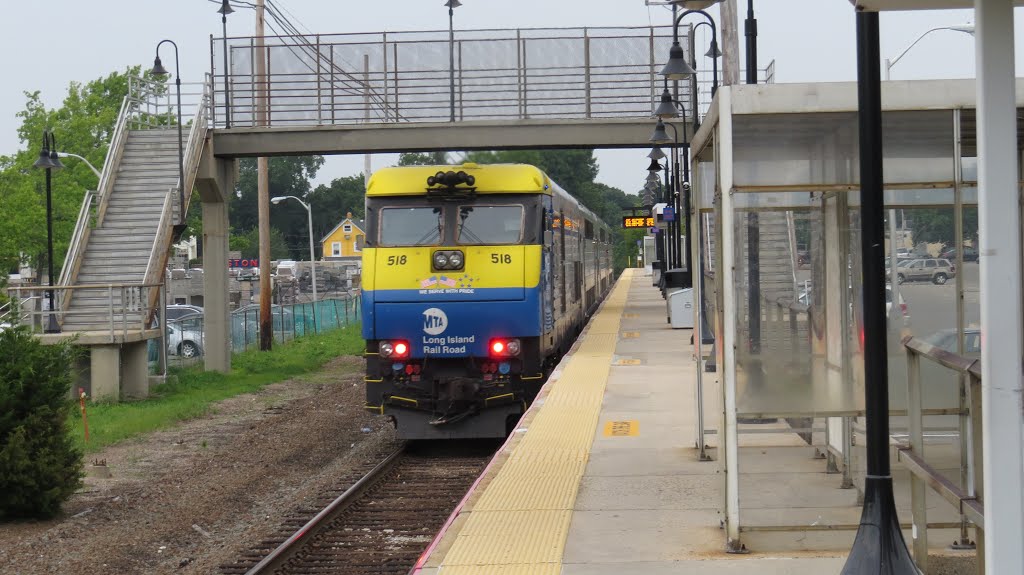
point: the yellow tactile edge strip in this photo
(520, 522)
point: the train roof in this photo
(490, 179)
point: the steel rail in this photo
(280, 555)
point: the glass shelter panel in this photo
(795, 150)
(794, 311)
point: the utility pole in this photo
(730, 44)
(263, 185)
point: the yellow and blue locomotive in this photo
(476, 279)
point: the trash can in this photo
(655, 273)
(680, 305)
(673, 279)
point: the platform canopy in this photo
(880, 5)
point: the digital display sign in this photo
(631, 222)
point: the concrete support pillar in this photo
(216, 321)
(999, 221)
(215, 180)
(105, 366)
(135, 372)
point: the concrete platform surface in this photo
(603, 475)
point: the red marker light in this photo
(401, 348)
(498, 347)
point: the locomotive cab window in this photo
(417, 226)
(490, 225)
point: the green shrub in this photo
(39, 465)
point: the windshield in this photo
(490, 224)
(420, 226)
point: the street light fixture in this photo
(660, 136)
(656, 153)
(312, 254)
(678, 68)
(968, 29)
(91, 167)
(225, 9)
(452, 5)
(49, 161)
(159, 71)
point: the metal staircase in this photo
(115, 264)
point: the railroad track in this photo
(382, 523)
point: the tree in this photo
(423, 159)
(289, 176)
(935, 225)
(83, 125)
(249, 244)
(574, 170)
(39, 464)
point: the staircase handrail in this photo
(155, 267)
(78, 238)
(76, 250)
(114, 152)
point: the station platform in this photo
(603, 474)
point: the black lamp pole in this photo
(49, 161)
(452, 5)
(225, 9)
(879, 547)
(159, 70)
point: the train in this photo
(476, 280)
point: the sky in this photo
(76, 40)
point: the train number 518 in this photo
(501, 258)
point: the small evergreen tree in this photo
(39, 465)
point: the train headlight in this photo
(505, 347)
(449, 260)
(386, 349)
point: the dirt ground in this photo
(191, 498)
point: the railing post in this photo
(110, 301)
(319, 93)
(918, 502)
(586, 69)
(975, 487)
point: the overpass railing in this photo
(570, 73)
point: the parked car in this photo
(177, 311)
(248, 318)
(946, 339)
(970, 254)
(935, 270)
(183, 342)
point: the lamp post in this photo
(677, 67)
(312, 254)
(896, 311)
(452, 5)
(49, 161)
(879, 546)
(225, 9)
(159, 71)
(667, 109)
(91, 167)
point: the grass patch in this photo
(191, 392)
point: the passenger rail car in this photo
(476, 279)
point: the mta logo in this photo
(434, 321)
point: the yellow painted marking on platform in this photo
(628, 428)
(519, 524)
(627, 361)
(630, 334)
